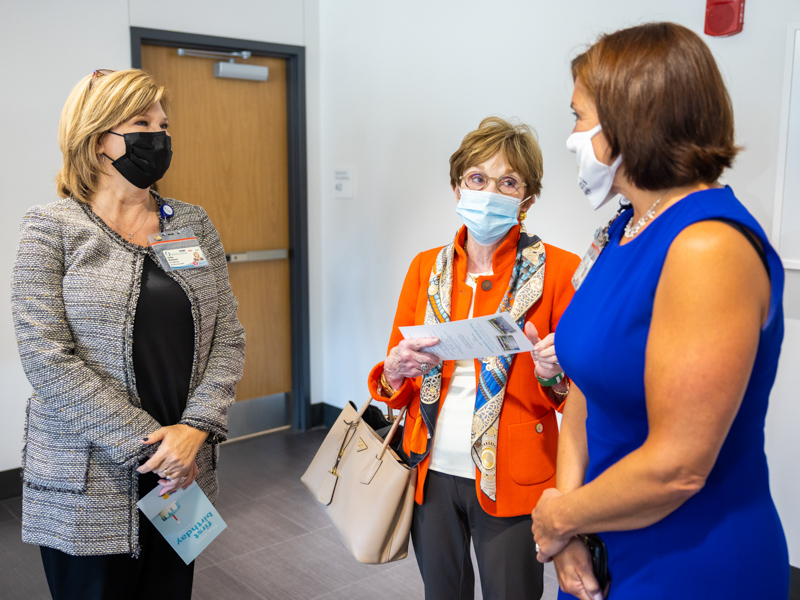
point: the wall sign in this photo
(344, 183)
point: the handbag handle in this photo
(392, 431)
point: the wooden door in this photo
(229, 139)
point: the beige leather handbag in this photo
(364, 488)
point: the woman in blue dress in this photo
(671, 341)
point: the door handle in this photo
(257, 255)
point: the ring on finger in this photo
(424, 367)
(538, 549)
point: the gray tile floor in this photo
(278, 545)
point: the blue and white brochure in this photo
(185, 518)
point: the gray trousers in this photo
(441, 530)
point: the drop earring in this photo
(523, 215)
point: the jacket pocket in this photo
(55, 457)
(533, 446)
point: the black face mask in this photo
(146, 159)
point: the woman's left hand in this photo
(174, 459)
(574, 572)
(544, 352)
(547, 539)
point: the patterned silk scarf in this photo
(524, 289)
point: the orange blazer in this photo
(526, 453)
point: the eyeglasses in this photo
(505, 185)
(99, 73)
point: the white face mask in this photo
(594, 178)
(488, 216)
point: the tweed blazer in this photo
(74, 292)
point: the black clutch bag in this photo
(599, 554)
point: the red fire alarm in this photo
(724, 17)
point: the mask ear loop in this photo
(106, 156)
(523, 214)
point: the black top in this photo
(163, 345)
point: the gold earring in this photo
(523, 215)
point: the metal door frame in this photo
(298, 188)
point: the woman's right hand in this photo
(544, 352)
(575, 575)
(170, 486)
(174, 461)
(407, 360)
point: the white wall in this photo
(50, 45)
(782, 446)
(274, 21)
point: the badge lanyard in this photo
(178, 249)
(599, 241)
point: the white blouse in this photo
(452, 451)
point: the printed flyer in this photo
(491, 335)
(185, 518)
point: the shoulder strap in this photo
(751, 237)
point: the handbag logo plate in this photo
(361, 446)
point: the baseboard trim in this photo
(258, 415)
(324, 414)
(794, 584)
(255, 435)
(10, 483)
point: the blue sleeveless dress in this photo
(727, 540)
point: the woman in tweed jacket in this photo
(104, 419)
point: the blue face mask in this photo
(488, 216)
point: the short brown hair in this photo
(662, 104)
(96, 105)
(515, 141)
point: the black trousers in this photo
(158, 572)
(441, 531)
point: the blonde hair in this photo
(96, 105)
(515, 141)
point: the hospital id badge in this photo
(177, 250)
(587, 262)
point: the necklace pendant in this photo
(631, 230)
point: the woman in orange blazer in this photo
(482, 432)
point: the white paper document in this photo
(492, 335)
